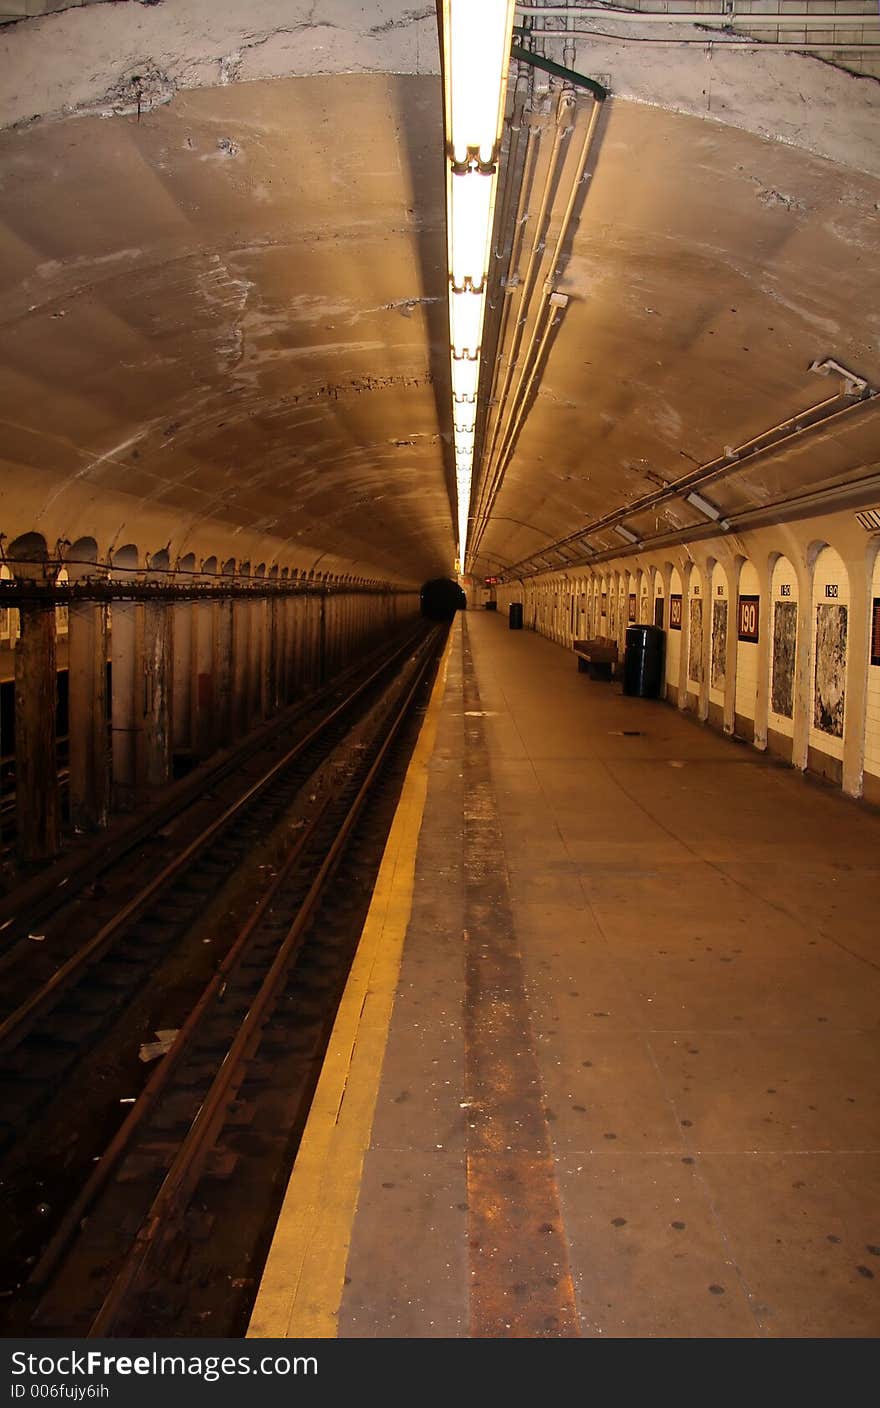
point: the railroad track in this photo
(42, 1042)
(98, 888)
(82, 868)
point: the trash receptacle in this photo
(643, 661)
(515, 616)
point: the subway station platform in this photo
(607, 1063)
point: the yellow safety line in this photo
(301, 1289)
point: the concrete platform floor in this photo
(631, 1080)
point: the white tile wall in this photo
(550, 608)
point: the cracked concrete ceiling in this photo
(232, 307)
(223, 303)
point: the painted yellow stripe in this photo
(301, 1289)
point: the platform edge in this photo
(304, 1274)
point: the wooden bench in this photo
(598, 656)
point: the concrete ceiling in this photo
(223, 302)
(708, 269)
(225, 311)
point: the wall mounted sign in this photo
(785, 589)
(675, 613)
(875, 631)
(747, 618)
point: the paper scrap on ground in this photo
(152, 1050)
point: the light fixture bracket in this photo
(853, 384)
(468, 286)
(473, 162)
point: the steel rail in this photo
(157, 1083)
(18, 915)
(19, 1022)
(828, 19)
(185, 1170)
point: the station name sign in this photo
(748, 618)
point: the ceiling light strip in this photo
(476, 58)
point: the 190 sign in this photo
(748, 618)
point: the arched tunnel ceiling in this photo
(709, 268)
(223, 316)
(231, 311)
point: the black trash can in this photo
(515, 615)
(643, 661)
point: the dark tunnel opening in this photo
(441, 598)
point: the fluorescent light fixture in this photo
(465, 375)
(471, 198)
(465, 321)
(625, 533)
(476, 53)
(476, 58)
(703, 506)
